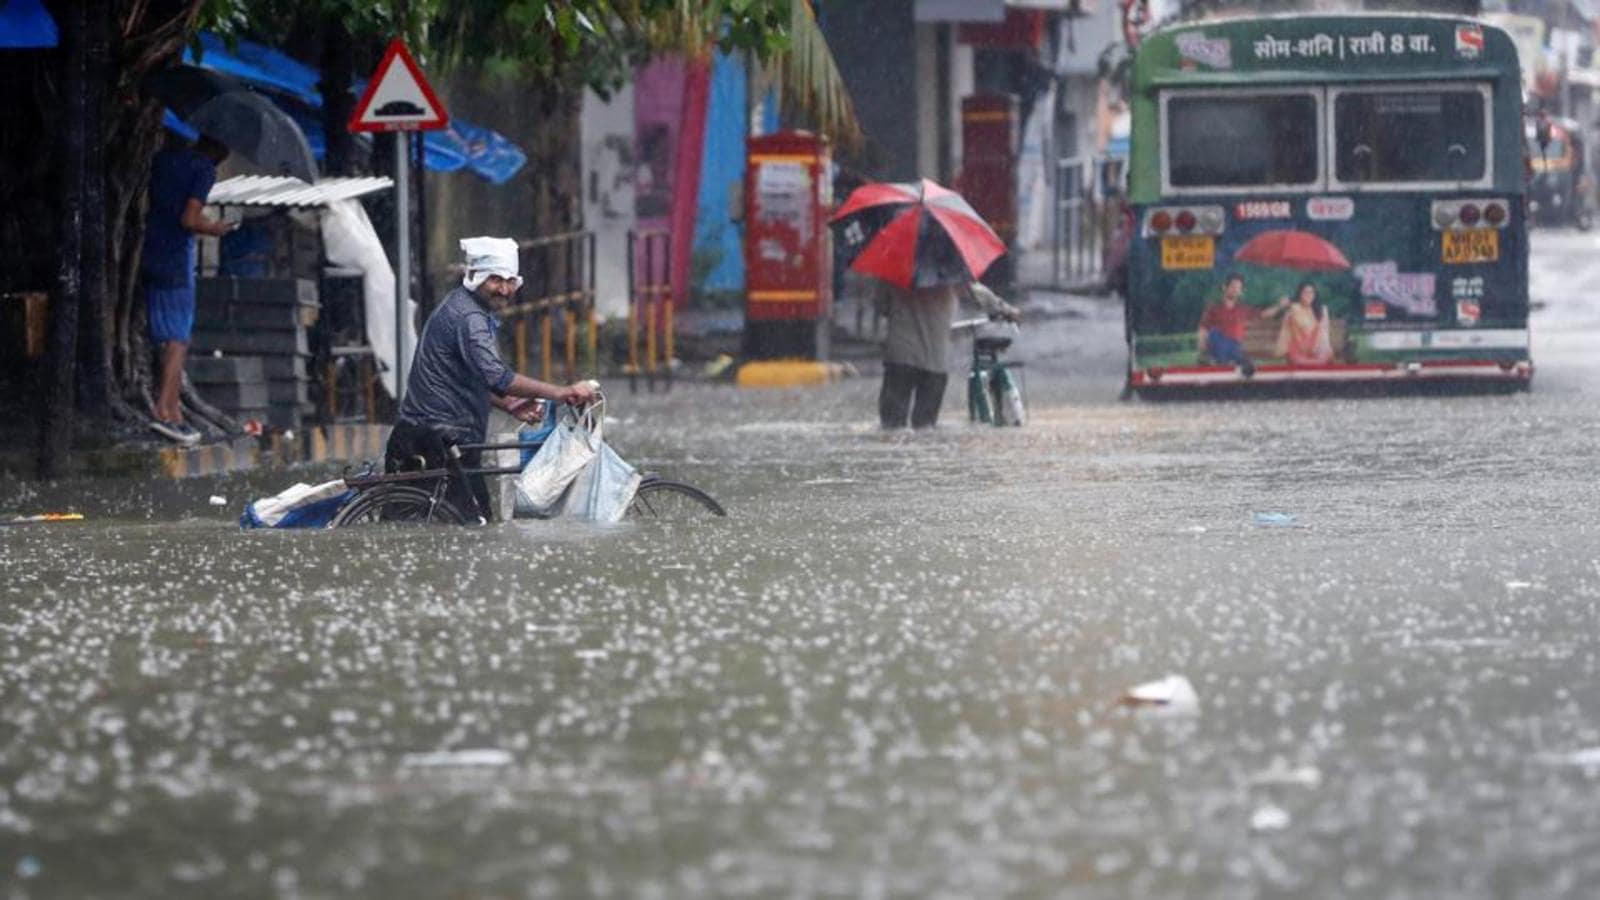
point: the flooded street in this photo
(893, 671)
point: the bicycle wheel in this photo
(397, 504)
(1009, 406)
(980, 408)
(659, 498)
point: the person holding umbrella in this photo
(927, 247)
(916, 352)
(181, 176)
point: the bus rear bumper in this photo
(1458, 369)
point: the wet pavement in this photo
(893, 671)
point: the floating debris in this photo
(443, 759)
(43, 517)
(1269, 818)
(1172, 694)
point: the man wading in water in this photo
(457, 372)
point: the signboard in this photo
(399, 98)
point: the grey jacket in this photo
(919, 322)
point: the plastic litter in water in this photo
(217, 500)
(1587, 758)
(1173, 694)
(28, 867)
(487, 757)
(1276, 520)
(1269, 818)
(1281, 774)
(43, 517)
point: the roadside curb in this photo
(790, 373)
(347, 443)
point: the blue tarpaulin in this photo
(24, 24)
(293, 85)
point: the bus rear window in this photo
(1411, 136)
(1242, 141)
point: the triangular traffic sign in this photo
(399, 98)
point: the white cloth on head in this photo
(487, 256)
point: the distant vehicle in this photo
(399, 108)
(1562, 189)
(1354, 183)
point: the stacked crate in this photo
(236, 385)
(267, 319)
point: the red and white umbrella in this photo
(915, 235)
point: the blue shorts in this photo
(171, 312)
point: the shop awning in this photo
(293, 85)
(25, 25)
(279, 190)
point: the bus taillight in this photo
(1450, 214)
(1164, 221)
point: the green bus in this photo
(1324, 199)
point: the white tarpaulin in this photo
(350, 242)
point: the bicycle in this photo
(421, 497)
(994, 392)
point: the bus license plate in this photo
(1475, 246)
(1191, 251)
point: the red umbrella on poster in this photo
(1292, 250)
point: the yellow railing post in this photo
(571, 320)
(667, 338)
(594, 340)
(520, 336)
(546, 347)
(650, 328)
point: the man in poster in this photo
(1222, 325)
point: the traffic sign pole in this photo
(399, 99)
(402, 227)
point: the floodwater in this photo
(893, 671)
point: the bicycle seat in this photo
(430, 449)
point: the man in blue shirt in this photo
(457, 373)
(180, 180)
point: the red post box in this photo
(788, 249)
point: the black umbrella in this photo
(228, 111)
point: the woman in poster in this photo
(1303, 336)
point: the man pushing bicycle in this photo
(457, 373)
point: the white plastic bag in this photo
(604, 489)
(565, 452)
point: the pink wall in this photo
(669, 134)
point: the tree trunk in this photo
(338, 71)
(56, 416)
(557, 159)
(94, 349)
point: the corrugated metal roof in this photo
(281, 190)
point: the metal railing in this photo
(560, 287)
(1088, 203)
(650, 308)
